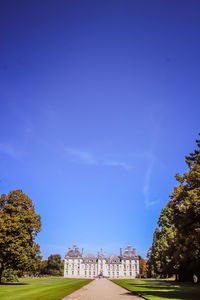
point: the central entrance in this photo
(100, 274)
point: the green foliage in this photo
(9, 276)
(55, 266)
(176, 243)
(43, 267)
(19, 225)
(143, 267)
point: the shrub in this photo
(9, 276)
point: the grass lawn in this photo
(153, 289)
(52, 288)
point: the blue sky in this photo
(99, 105)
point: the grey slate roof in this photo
(113, 258)
(129, 254)
(89, 258)
(74, 252)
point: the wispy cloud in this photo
(114, 163)
(86, 157)
(149, 171)
(28, 130)
(147, 182)
(79, 156)
(9, 150)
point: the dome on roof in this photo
(89, 258)
(113, 258)
(90, 255)
(129, 253)
(73, 253)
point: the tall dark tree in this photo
(54, 264)
(176, 243)
(43, 267)
(19, 225)
(185, 203)
(161, 260)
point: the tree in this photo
(54, 264)
(19, 225)
(185, 203)
(161, 261)
(143, 267)
(9, 276)
(43, 267)
(176, 243)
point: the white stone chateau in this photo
(126, 265)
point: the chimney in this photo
(82, 252)
(69, 249)
(120, 251)
(134, 251)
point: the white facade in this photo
(126, 265)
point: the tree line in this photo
(176, 241)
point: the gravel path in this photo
(102, 289)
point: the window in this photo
(78, 272)
(72, 272)
(85, 273)
(130, 273)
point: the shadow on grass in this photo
(163, 289)
(14, 283)
(130, 294)
(168, 295)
